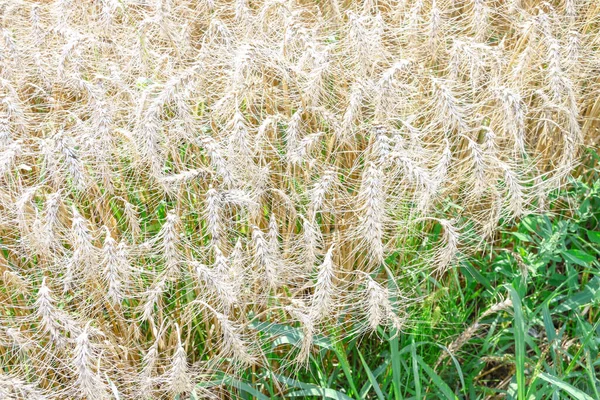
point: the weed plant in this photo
(520, 320)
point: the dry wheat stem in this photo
(173, 172)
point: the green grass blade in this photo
(236, 383)
(248, 389)
(439, 382)
(372, 379)
(395, 365)
(571, 390)
(584, 343)
(519, 328)
(415, 367)
(590, 370)
(318, 391)
(294, 383)
(588, 294)
(113, 388)
(456, 363)
(548, 324)
(341, 355)
(470, 271)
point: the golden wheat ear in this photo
(173, 173)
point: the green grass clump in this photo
(519, 321)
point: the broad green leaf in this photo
(594, 236)
(579, 257)
(529, 224)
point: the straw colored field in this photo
(176, 174)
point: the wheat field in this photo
(174, 171)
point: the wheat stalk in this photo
(173, 173)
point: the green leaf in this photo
(571, 390)
(372, 379)
(319, 391)
(519, 328)
(443, 386)
(530, 224)
(548, 324)
(395, 364)
(228, 380)
(590, 370)
(579, 257)
(521, 236)
(341, 355)
(415, 367)
(586, 296)
(294, 383)
(248, 389)
(289, 335)
(469, 271)
(594, 236)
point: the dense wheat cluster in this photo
(173, 172)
